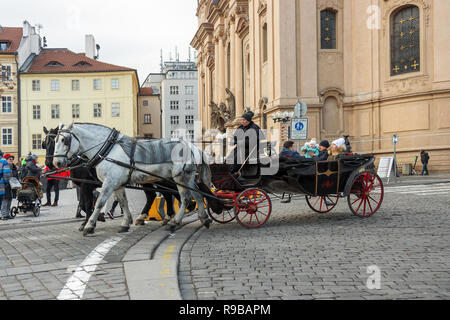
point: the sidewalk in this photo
(418, 179)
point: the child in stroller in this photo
(29, 197)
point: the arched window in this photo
(328, 29)
(405, 41)
(264, 43)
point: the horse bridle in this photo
(67, 142)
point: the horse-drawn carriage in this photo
(322, 183)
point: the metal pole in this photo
(395, 162)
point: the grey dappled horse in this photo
(88, 139)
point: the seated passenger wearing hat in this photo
(337, 148)
(323, 150)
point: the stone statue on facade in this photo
(217, 118)
(231, 100)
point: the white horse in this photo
(87, 139)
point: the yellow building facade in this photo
(9, 98)
(105, 97)
(365, 68)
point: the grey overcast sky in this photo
(129, 32)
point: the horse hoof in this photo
(124, 229)
(139, 222)
(207, 223)
(101, 217)
(88, 231)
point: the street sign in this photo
(300, 110)
(299, 129)
(385, 167)
(395, 139)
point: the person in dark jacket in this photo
(251, 151)
(8, 192)
(31, 168)
(289, 152)
(424, 157)
(323, 150)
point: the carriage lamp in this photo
(282, 116)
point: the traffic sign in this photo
(299, 129)
(300, 110)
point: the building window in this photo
(114, 83)
(55, 111)
(189, 104)
(189, 89)
(189, 119)
(97, 110)
(328, 29)
(145, 102)
(265, 50)
(115, 110)
(174, 105)
(36, 112)
(174, 120)
(7, 136)
(97, 84)
(4, 45)
(190, 135)
(75, 111)
(147, 118)
(36, 140)
(54, 85)
(6, 104)
(36, 85)
(75, 85)
(174, 134)
(405, 41)
(174, 90)
(6, 73)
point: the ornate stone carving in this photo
(217, 118)
(231, 100)
(405, 86)
(334, 4)
(262, 7)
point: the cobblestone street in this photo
(298, 254)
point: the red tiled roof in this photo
(70, 61)
(145, 91)
(12, 35)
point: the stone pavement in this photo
(298, 254)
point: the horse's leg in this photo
(204, 218)
(184, 195)
(151, 196)
(86, 199)
(127, 219)
(106, 192)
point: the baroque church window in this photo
(405, 41)
(328, 29)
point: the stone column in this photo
(239, 94)
(221, 72)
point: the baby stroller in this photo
(28, 197)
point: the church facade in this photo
(365, 68)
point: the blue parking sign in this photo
(299, 129)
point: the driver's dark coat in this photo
(259, 136)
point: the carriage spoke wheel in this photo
(227, 215)
(253, 208)
(322, 204)
(366, 194)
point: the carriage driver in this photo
(243, 131)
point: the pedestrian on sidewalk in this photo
(9, 192)
(1, 195)
(5, 174)
(53, 183)
(424, 157)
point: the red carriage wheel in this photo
(253, 208)
(366, 194)
(322, 204)
(227, 215)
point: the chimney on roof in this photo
(90, 46)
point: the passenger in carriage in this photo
(311, 149)
(323, 150)
(337, 148)
(289, 151)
